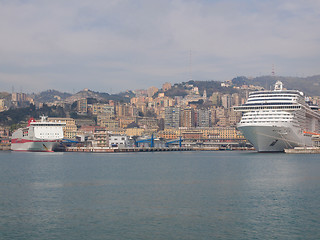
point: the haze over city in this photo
(117, 45)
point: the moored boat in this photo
(280, 119)
(38, 136)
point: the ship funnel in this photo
(278, 86)
(43, 118)
(30, 121)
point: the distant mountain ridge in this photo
(102, 97)
(50, 95)
(309, 85)
(86, 93)
(54, 95)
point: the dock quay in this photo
(303, 150)
(5, 147)
(123, 150)
(149, 149)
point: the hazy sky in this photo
(115, 45)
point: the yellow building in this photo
(226, 134)
(169, 133)
(118, 131)
(217, 134)
(134, 132)
(108, 123)
(125, 121)
(2, 105)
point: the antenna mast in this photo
(190, 65)
(273, 72)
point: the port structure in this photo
(65, 140)
(150, 140)
(174, 141)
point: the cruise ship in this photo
(275, 120)
(38, 136)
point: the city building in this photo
(104, 109)
(18, 99)
(108, 123)
(4, 132)
(234, 117)
(147, 122)
(205, 95)
(236, 99)
(120, 141)
(152, 90)
(202, 117)
(100, 138)
(128, 110)
(192, 134)
(166, 86)
(134, 132)
(221, 117)
(226, 101)
(169, 133)
(172, 117)
(187, 118)
(82, 106)
(125, 121)
(216, 99)
(3, 106)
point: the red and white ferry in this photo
(38, 136)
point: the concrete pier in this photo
(5, 147)
(303, 150)
(117, 150)
(149, 149)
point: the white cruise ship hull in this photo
(274, 138)
(34, 146)
(280, 119)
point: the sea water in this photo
(167, 195)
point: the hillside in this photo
(86, 93)
(101, 97)
(211, 87)
(50, 96)
(309, 85)
(5, 95)
(181, 89)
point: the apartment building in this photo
(82, 106)
(187, 118)
(172, 117)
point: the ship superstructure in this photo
(41, 136)
(278, 119)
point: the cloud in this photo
(123, 44)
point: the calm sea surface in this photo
(176, 195)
